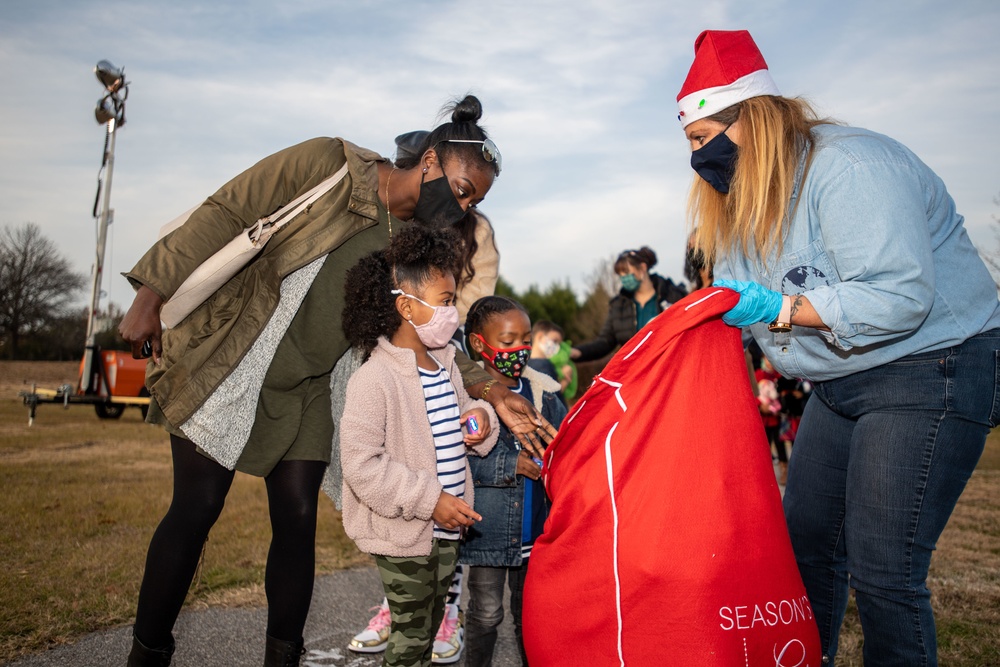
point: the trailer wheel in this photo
(109, 410)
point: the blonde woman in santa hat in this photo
(855, 272)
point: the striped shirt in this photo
(449, 444)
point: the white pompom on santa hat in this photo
(728, 68)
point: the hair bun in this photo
(467, 110)
(647, 256)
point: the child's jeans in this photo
(485, 611)
(415, 588)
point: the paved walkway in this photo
(228, 637)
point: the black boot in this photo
(143, 656)
(278, 653)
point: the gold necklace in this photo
(388, 210)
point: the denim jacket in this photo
(877, 247)
(496, 540)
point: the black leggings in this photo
(200, 488)
(773, 437)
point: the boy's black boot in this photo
(279, 653)
(143, 656)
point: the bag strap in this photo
(269, 224)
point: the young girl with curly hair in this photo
(407, 490)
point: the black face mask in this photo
(436, 205)
(716, 161)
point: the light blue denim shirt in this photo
(877, 247)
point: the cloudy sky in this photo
(579, 96)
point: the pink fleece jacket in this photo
(387, 452)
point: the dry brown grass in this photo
(81, 498)
(18, 375)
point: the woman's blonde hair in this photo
(774, 132)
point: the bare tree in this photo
(602, 283)
(36, 284)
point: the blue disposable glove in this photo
(756, 304)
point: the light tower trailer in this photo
(109, 380)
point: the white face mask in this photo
(549, 348)
(437, 331)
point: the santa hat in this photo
(728, 68)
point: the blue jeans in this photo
(880, 460)
(485, 611)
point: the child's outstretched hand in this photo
(482, 420)
(452, 512)
(527, 466)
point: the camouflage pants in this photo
(416, 588)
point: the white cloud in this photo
(579, 96)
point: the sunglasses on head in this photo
(490, 152)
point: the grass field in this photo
(81, 498)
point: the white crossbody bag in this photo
(215, 271)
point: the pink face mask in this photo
(438, 330)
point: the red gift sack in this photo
(666, 543)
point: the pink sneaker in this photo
(450, 639)
(373, 638)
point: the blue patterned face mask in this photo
(716, 161)
(629, 282)
(508, 360)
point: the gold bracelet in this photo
(784, 322)
(486, 389)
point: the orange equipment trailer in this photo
(118, 382)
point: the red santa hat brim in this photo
(728, 68)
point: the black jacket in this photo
(621, 323)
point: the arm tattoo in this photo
(796, 305)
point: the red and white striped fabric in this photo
(666, 543)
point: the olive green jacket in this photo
(201, 351)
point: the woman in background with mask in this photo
(643, 296)
(854, 272)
